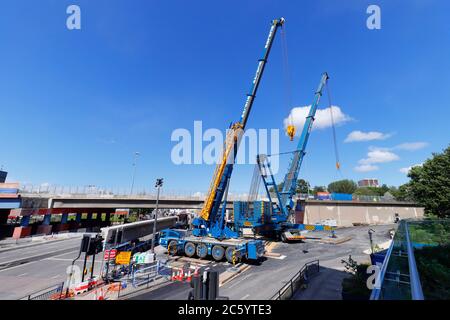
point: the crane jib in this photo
(219, 181)
(289, 187)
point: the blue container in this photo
(341, 196)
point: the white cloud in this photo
(411, 146)
(322, 119)
(366, 136)
(406, 169)
(378, 156)
(366, 168)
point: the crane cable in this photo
(336, 153)
(290, 128)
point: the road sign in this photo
(110, 254)
(123, 257)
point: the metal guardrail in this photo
(88, 191)
(416, 287)
(401, 246)
(300, 278)
(50, 293)
(149, 274)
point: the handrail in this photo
(416, 287)
(290, 284)
(375, 295)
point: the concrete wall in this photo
(347, 214)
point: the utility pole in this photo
(136, 154)
(158, 185)
(370, 238)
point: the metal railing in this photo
(398, 278)
(297, 281)
(106, 192)
(144, 276)
(51, 293)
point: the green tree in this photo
(302, 186)
(280, 187)
(430, 184)
(319, 189)
(383, 189)
(367, 191)
(401, 193)
(343, 186)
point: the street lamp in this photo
(136, 154)
(158, 185)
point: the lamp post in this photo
(136, 154)
(158, 185)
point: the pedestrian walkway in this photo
(326, 285)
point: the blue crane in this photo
(211, 235)
(273, 217)
(212, 220)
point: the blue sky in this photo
(75, 105)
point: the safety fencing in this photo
(148, 274)
(54, 292)
(298, 281)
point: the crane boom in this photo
(290, 180)
(224, 169)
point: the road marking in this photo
(20, 265)
(245, 297)
(54, 277)
(237, 282)
(279, 258)
(37, 255)
(23, 274)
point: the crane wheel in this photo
(218, 252)
(172, 248)
(189, 249)
(232, 255)
(202, 250)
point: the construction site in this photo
(280, 240)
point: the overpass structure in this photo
(94, 209)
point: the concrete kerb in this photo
(227, 276)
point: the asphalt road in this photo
(176, 290)
(261, 282)
(36, 250)
(20, 280)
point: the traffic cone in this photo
(189, 277)
(174, 276)
(181, 275)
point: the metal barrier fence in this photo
(149, 274)
(297, 281)
(51, 293)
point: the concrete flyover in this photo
(344, 213)
(112, 202)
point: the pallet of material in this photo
(336, 240)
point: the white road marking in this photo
(245, 297)
(237, 282)
(20, 265)
(279, 258)
(54, 277)
(23, 274)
